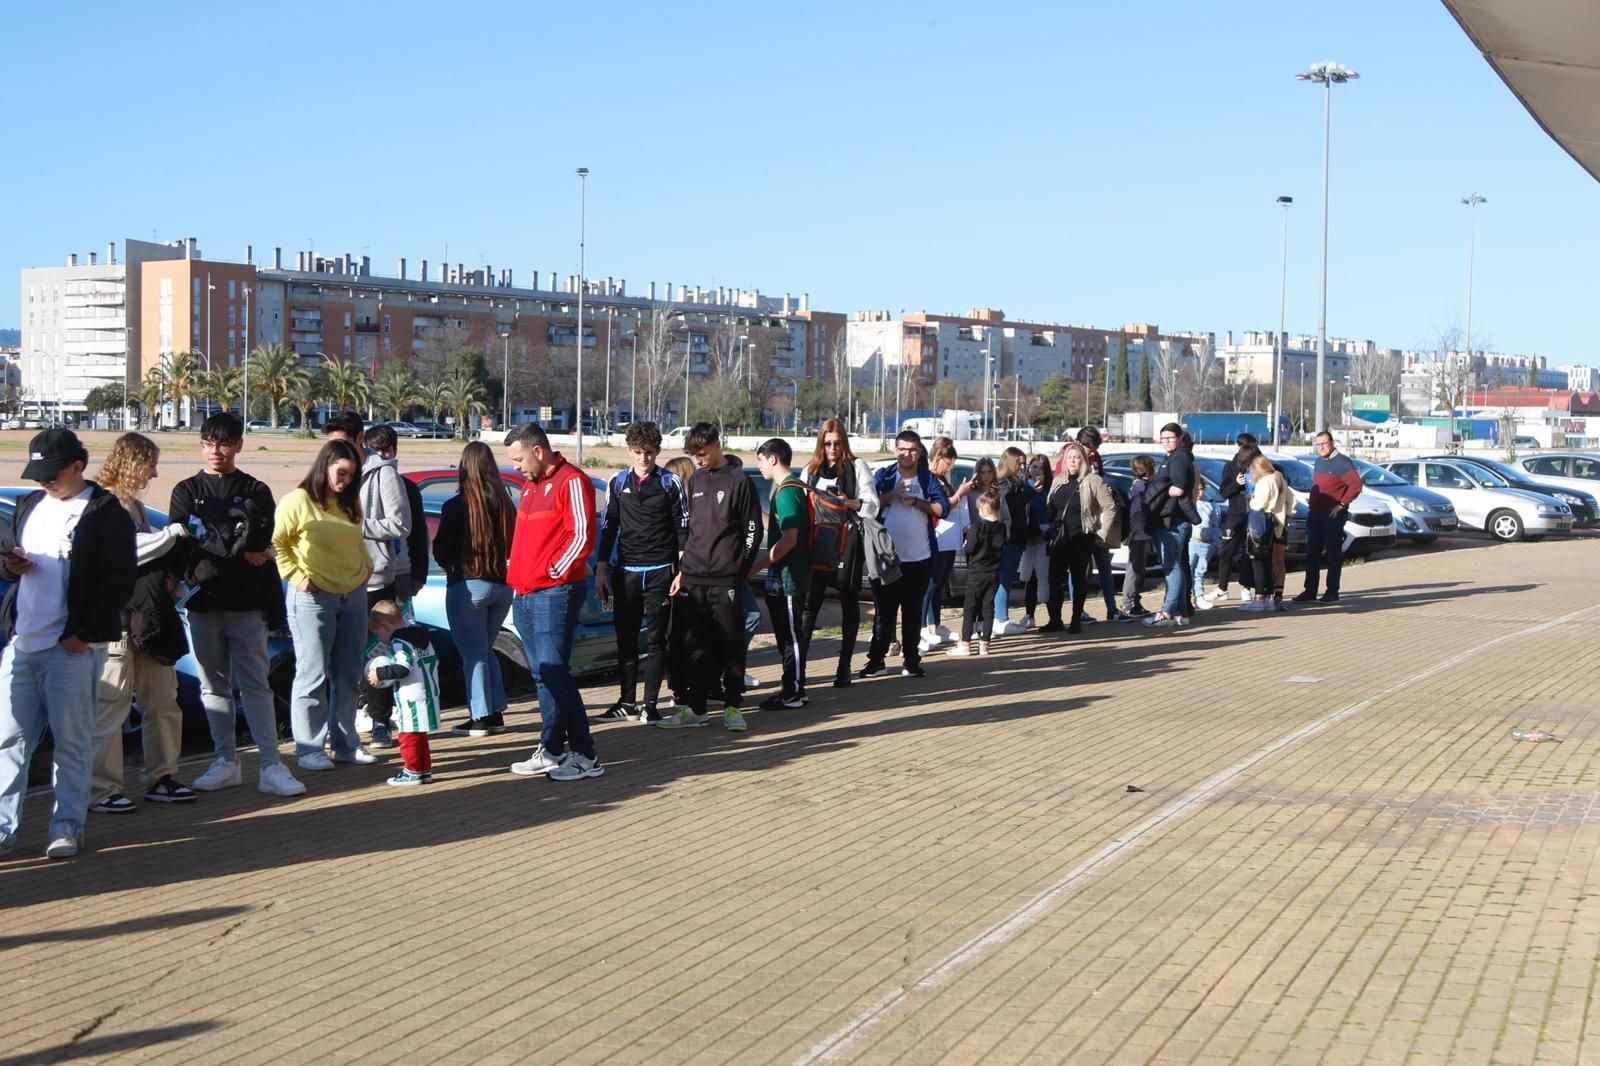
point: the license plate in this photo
(1447, 523)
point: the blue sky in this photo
(1090, 164)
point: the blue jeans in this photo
(476, 611)
(56, 688)
(1324, 537)
(1010, 563)
(330, 635)
(545, 621)
(230, 648)
(1199, 562)
(752, 613)
(943, 563)
(1173, 545)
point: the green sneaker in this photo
(680, 717)
(732, 720)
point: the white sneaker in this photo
(1014, 629)
(960, 648)
(276, 780)
(1217, 596)
(540, 762)
(931, 638)
(316, 760)
(221, 774)
(363, 722)
(1245, 595)
(944, 633)
(750, 681)
(63, 846)
(359, 755)
(1203, 603)
(576, 766)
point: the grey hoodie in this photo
(385, 520)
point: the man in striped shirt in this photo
(548, 571)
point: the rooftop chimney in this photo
(366, 266)
(402, 274)
(805, 303)
(111, 252)
(91, 258)
(652, 291)
(72, 259)
(249, 254)
(422, 274)
(552, 287)
(277, 258)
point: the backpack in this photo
(882, 562)
(1120, 532)
(829, 528)
(1258, 539)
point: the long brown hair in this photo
(846, 456)
(126, 469)
(491, 519)
(315, 484)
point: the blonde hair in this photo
(385, 611)
(126, 469)
(1261, 466)
(680, 466)
(1011, 463)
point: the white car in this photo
(1484, 501)
(1579, 471)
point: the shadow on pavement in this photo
(153, 923)
(96, 1046)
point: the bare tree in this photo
(660, 367)
(1450, 371)
(1373, 371)
(1167, 391)
(839, 366)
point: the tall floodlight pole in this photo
(1327, 75)
(249, 339)
(583, 207)
(605, 411)
(1088, 372)
(505, 379)
(1277, 342)
(1472, 247)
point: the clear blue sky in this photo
(1080, 163)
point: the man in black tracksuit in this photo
(1235, 490)
(646, 522)
(723, 539)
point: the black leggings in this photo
(1074, 559)
(847, 579)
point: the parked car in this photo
(1420, 515)
(1585, 508)
(260, 425)
(1484, 501)
(1525, 442)
(1574, 471)
(431, 430)
(404, 429)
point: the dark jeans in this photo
(847, 579)
(786, 612)
(1324, 534)
(712, 627)
(903, 598)
(943, 563)
(641, 601)
(545, 621)
(1071, 562)
(977, 610)
(1101, 557)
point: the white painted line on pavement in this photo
(858, 1027)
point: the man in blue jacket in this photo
(911, 504)
(70, 552)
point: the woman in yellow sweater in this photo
(1270, 496)
(324, 561)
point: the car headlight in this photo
(1412, 505)
(1569, 500)
(1551, 508)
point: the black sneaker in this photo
(779, 702)
(381, 737)
(872, 669)
(1076, 627)
(1053, 626)
(1308, 596)
(1329, 597)
(648, 713)
(487, 726)
(913, 670)
(116, 803)
(841, 680)
(621, 711)
(1088, 620)
(170, 790)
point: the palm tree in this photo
(304, 393)
(435, 396)
(396, 389)
(344, 384)
(464, 394)
(179, 377)
(152, 393)
(273, 372)
(223, 386)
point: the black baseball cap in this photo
(51, 450)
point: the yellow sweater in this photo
(322, 545)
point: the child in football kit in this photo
(409, 665)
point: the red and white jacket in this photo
(555, 530)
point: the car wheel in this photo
(1505, 525)
(513, 666)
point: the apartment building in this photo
(93, 323)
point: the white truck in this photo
(957, 425)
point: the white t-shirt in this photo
(42, 592)
(907, 525)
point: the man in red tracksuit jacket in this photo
(548, 569)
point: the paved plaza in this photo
(1336, 855)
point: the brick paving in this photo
(1361, 869)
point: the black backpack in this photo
(417, 539)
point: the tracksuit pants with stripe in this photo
(786, 611)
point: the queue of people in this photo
(92, 618)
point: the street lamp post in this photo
(1088, 372)
(249, 337)
(1472, 247)
(505, 379)
(1327, 75)
(1277, 341)
(688, 350)
(988, 414)
(210, 288)
(605, 411)
(583, 207)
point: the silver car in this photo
(1579, 471)
(1483, 500)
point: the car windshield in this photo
(1487, 478)
(1376, 476)
(1299, 475)
(1507, 473)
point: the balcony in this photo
(366, 327)
(308, 348)
(306, 325)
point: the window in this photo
(347, 320)
(231, 339)
(1446, 477)
(347, 345)
(233, 289)
(233, 313)
(386, 324)
(1406, 472)
(1588, 469)
(1552, 467)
